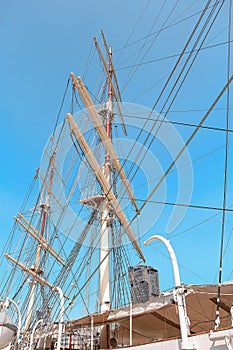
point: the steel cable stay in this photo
(9, 241)
(217, 318)
(173, 71)
(52, 302)
(38, 198)
(34, 213)
(79, 291)
(169, 78)
(193, 161)
(159, 59)
(133, 72)
(159, 31)
(61, 107)
(76, 270)
(157, 82)
(133, 30)
(148, 137)
(122, 259)
(140, 50)
(90, 277)
(191, 206)
(185, 231)
(89, 60)
(188, 141)
(76, 248)
(186, 144)
(84, 265)
(174, 122)
(169, 26)
(68, 258)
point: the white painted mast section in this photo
(104, 216)
(92, 332)
(36, 268)
(33, 283)
(61, 316)
(130, 323)
(104, 257)
(179, 295)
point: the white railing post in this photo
(61, 317)
(33, 332)
(131, 323)
(179, 295)
(92, 332)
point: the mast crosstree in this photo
(107, 203)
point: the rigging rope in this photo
(174, 68)
(172, 90)
(186, 143)
(133, 72)
(214, 128)
(165, 28)
(133, 30)
(217, 319)
(61, 107)
(193, 206)
(173, 56)
(166, 84)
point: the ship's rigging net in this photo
(63, 220)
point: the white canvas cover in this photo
(7, 329)
(158, 318)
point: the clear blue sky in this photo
(42, 41)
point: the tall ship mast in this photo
(77, 276)
(105, 215)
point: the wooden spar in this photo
(113, 70)
(38, 236)
(78, 83)
(32, 273)
(51, 192)
(35, 234)
(105, 186)
(110, 80)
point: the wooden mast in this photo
(36, 235)
(35, 269)
(93, 113)
(107, 203)
(107, 190)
